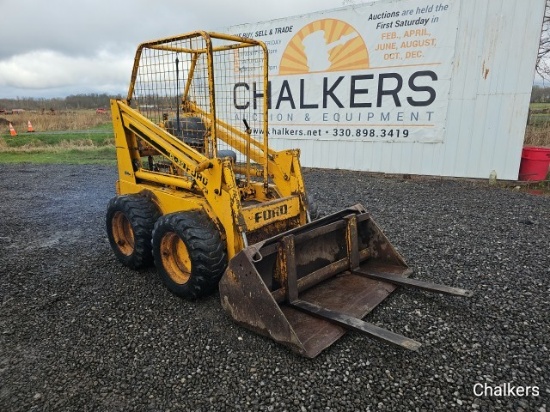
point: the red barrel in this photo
(534, 163)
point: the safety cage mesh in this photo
(171, 87)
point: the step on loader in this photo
(202, 195)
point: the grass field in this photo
(537, 132)
(82, 137)
(103, 155)
(64, 120)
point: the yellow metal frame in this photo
(209, 182)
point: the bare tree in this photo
(543, 66)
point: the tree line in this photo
(73, 102)
(540, 94)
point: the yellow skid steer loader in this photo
(202, 196)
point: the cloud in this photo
(85, 46)
(78, 28)
(46, 69)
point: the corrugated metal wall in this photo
(493, 69)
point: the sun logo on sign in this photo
(325, 45)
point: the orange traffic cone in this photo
(12, 130)
(29, 127)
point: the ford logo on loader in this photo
(268, 214)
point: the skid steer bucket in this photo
(304, 288)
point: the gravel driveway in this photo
(80, 332)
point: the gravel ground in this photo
(80, 332)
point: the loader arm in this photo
(209, 184)
(282, 167)
(132, 125)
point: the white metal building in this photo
(470, 63)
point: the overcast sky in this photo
(55, 48)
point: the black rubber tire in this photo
(189, 253)
(130, 221)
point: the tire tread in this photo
(206, 250)
(142, 214)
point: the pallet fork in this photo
(307, 287)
